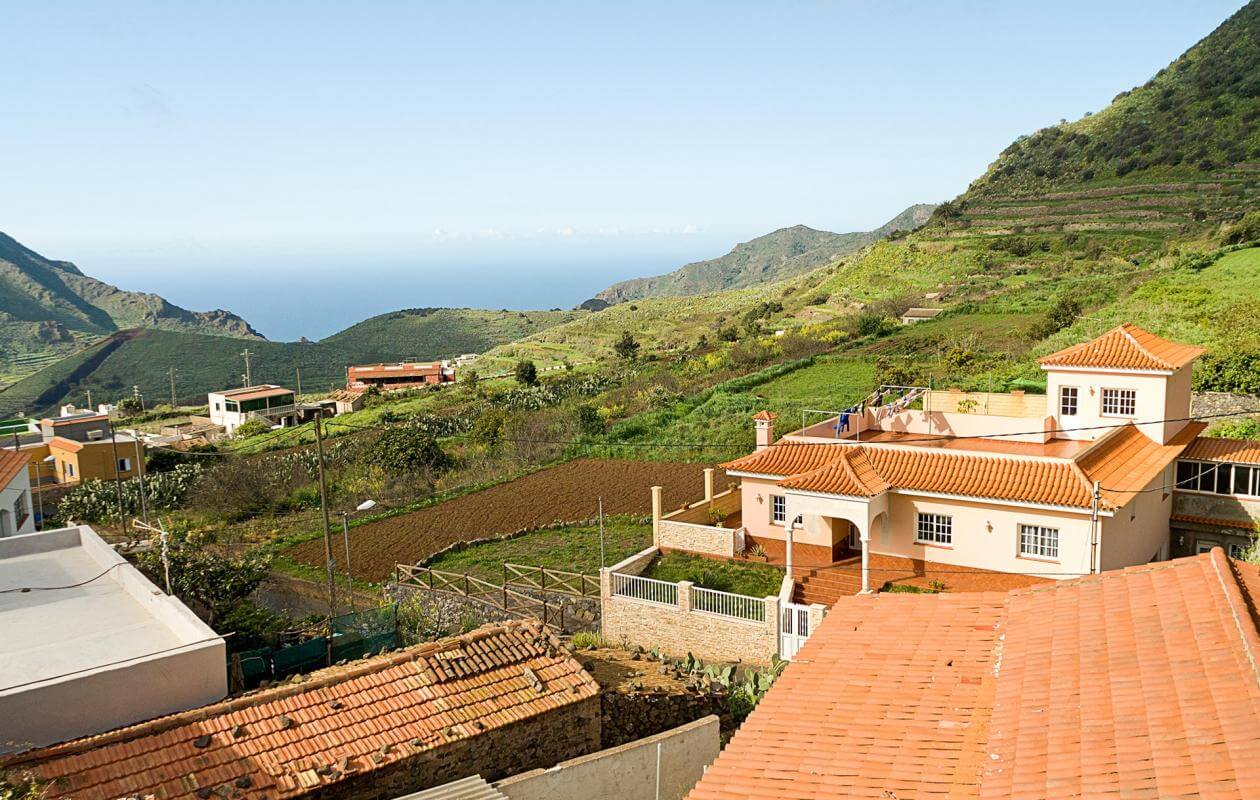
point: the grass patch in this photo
(754, 580)
(573, 548)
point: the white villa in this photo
(273, 404)
(1104, 471)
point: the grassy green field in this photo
(575, 549)
(754, 580)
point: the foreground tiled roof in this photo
(1239, 451)
(1125, 347)
(288, 740)
(1141, 683)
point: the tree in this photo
(470, 379)
(590, 423)
(131, 405)
(408, 449)
(1061, 315)
(211, 583)
(488, 429)
(251, 427)
(626, 347)
(526, 372)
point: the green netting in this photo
(304, 657)
(255, 665)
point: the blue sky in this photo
(136, 133)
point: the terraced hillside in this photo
(1175, 156)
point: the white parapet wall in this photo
(94, 645)
(680, 618)
(628, 772)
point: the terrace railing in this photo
(505, 598)
(650, 590)
(739, 606)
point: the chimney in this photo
(763, 422)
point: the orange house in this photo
(74, 462)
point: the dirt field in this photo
(565, 493)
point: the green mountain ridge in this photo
(143, 357)
(777, 255)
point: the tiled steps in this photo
(826, 585)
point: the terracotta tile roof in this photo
(12, 462)
(1145, 685)
(1239, 451)
(1220, 522)
(1125, 347)
(784, 458)
(1126, 460)
(768, 416)
(62, 443)
(851, 473)
(393, 370)
(256, 392)
(284, 741)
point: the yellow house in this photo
(74, 462)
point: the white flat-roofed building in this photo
(273, 404)
(94, 645)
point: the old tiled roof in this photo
(12, 462)
(285, 741)
(393, 370)
(784, 458)
(1239, 451)
(257, 392)
(1125, 347)
(1145, 685)
(1219, 522)
(1126, 460)
(850, 473)
(768, 416)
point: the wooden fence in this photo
(504, 598)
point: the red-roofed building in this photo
(1086, 479)
(17, 514)
(503, 699)
(401, 375)
(1139, 683)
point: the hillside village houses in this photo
(400, 375)
(76, 446)
(274, 404)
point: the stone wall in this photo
(628, 771)
(678, 630)
(538, 742)
(628, 715)
(694, 538)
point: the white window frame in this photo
(1075, 401)
(1038, 541)
(1213, 468)
(1236, 550)
(1120, 396)
(778, 509)
(937, 528)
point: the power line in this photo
(84, 582)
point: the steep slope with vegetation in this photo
(49, 308)
(1174, 156)
(204, 363)
(775, 256)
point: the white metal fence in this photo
(649, 589)
(740, 606)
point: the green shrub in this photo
(525, 372)
(1236, 371)
(585, 639)
(1248, 428)
(97, 500)
(408, 449)
(251, 427)
(1246, 229)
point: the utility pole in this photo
(601, 532)
(113, 443)
(172, 374)
(89, 398)
(135, 393)
(323, 505)
(299, 381)
(144, 501)
(249, 375)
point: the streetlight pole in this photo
(113, 443)
(144, 501)
(323, 506)
(345, 533)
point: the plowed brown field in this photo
(564, 493)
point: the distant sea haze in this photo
(294, 296)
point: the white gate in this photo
(793, 629)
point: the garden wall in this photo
(628, 771)
(693, 538)
(679, 629)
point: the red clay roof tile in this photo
(1238, 451)
(291, 730)
(1135, 683)
(1125, 347)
